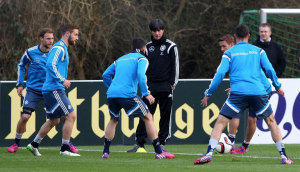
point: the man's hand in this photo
(228, 91)
(67, 84)
(150, 98)
(172, 88)
(20, 90)
(204, 101)
(280, 91)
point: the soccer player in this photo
(162, 75)
(56, 101)
(273, 49)
(244, 62)
(226, 42)
(36, 58)
(127, 72)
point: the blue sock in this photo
(231, 138)
(107, 143)
(156, 145)
(245, 144)
(17, 141)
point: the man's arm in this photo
(142, 67)
(57, 53)
(108, 74)
(267, 66)
(281, 63)
(174, 66)
(221, 71)
(25, 59)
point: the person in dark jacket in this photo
(162, 75)
(273, 50)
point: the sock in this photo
(37, 139)
(141, 145)
(281, 149)
(107, 143)
(231, 138)
(35, 144)
(156, 145)
(18, 138)
(65, 147)
(245, 144)
(211, 146)
(66, 142)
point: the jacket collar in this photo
(160, 41)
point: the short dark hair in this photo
(68, 27)
(43, 31)
(156, 24)
(241, 31)
(265, 25)
(227, 38)
(138, 43)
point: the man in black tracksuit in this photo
(162, 77)
(273, 50)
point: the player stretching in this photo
(244, 63)
(56, 101)
(127, 72)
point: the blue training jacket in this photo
(245, 62)
(57, 67)
(36, 69)
(122, 77)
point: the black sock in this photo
(209, 149)
(156, 145)
(65, 147)
(17, 141)
(107, 143)
(282, 152)
(35, 144)
(141, 145)
(245, 145)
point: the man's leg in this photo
(141, 134)
(21, 128)
(72, 146)
(233, 126)
(67, 128)
(109, 135)
(249, 134)
(277, 138)
(165, 104)
(46, 127)
(152, 135)
(220, 124)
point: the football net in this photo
(285, 31)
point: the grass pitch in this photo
(259, 158)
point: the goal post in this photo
(265, 11)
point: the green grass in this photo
(259, 158)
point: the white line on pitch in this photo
(188, 154)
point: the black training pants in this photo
(164, 99)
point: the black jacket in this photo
(163, 69)
(274, 53)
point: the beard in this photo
(71, 42)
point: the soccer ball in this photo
(224, 145)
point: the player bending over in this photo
(127, 72)
(244, 63)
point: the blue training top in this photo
(57, 67)
(244, 63)
(36, 69)
(122, 77)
